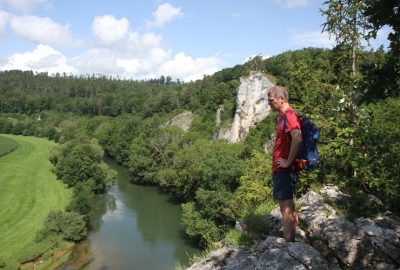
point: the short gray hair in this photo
(279, 91)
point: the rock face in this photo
(272, 253)
(359, 245)
(328, 241)
(182, 120)
(251, 107)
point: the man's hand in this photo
(294, 148)
(282, 163)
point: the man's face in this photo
(274, 102)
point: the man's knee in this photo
(288, 210)
(287, 205)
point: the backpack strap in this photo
(284, 119)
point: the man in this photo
(287, 144)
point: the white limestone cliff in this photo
(251, 107)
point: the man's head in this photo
(278, 98)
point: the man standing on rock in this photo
(287, 144)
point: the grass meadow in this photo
(28, 191)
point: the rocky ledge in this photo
(328, 241)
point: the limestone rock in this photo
(214, 262)
(384, 235)
(351, 244)
(251, 107)
(272, 253)
(182, 120)
(276, 253)
(335, 195)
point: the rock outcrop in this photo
(182, 120)
(353, 245)
(251, 107)
(328, 241)
(272, 253)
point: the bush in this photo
(70, 225)
(238, 238)
(74, 228)
(204, 231)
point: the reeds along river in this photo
(134, 227)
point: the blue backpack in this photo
(307, 158)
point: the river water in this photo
(134, 227)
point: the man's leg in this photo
(290, 219)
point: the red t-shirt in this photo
(283, 139)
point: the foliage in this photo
(68, 224)
(260, 137)
(380, 176)
(380, 13)
(255, 183)
(253, 226)
(198, 228)
(30, 93)
(81, 201)
(80, 161)
(238, 238)
(215, 205)
(212, 165)
(346, 21)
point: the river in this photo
(134, 227)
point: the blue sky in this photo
(184, 39)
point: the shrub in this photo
(70, 225)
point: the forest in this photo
(351, 94)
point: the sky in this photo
(143, 39)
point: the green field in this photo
(28, 191)
(7, 145)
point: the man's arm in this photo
(294, 149)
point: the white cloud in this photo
(188, 69)
(143, 43)
(129, 65)
(4, 17)
(117, 51)
(42, 59)
(155, 63)
(97, 60)
(109, 29)
(164, 14)
(313, 39)
(43, 31)
(292, 3)
(24, 5)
